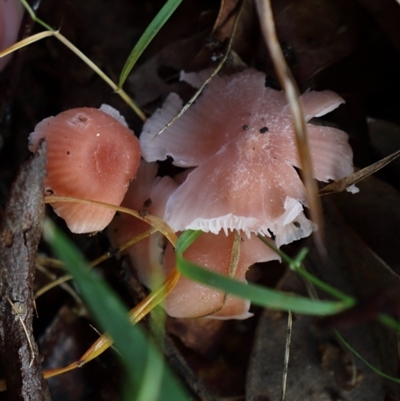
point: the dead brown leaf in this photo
(341, 185)
(316, 33)
(319, 368)
(374, 213)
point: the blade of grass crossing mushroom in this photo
(341, 185)
(151, 31)
(81, 55)
(293, 95)
(212, 75)
(257, 294)
(111, 315)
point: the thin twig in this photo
(293, 95)
(107, 255)
(56, 33)
(287, 353)
(208, 80)
(65, 286)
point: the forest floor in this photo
(351, 47)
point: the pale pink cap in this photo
(240, 135)
(91, 155)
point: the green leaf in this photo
(296, 265)
(135, 349)
(372, 367)
(160, 19)
(186, 239)
(257, 294)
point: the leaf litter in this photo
(360, 234)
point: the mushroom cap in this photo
(240, 135)
(189, 299)
(239, 191)
(229, 107)
(90, 156)
(11, 15)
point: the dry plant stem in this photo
(66, 287)
(49, 262)
(293, 95)
(287, 353)
(107, 255)
(25, 42)
(233, 264)
(235, 254)
(135, 315)
(154, 221)
(144, 307)
(208, 80)
(20, 233)
(85, 59)
(341, 185)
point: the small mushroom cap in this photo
(11, 15)
(91, 156)
(214, 252)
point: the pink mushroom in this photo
(240, 135)
(213, 251)
(188, 298)
(147, 255)
(11, 13)
(91, 155)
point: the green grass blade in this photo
(111, 315)
(150, 386)
(296, 265)
(33, 16)
(160, 19)
(388, 321)
(257, 294)
(372, 367)
(186, 239)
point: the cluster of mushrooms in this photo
(238, 146)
